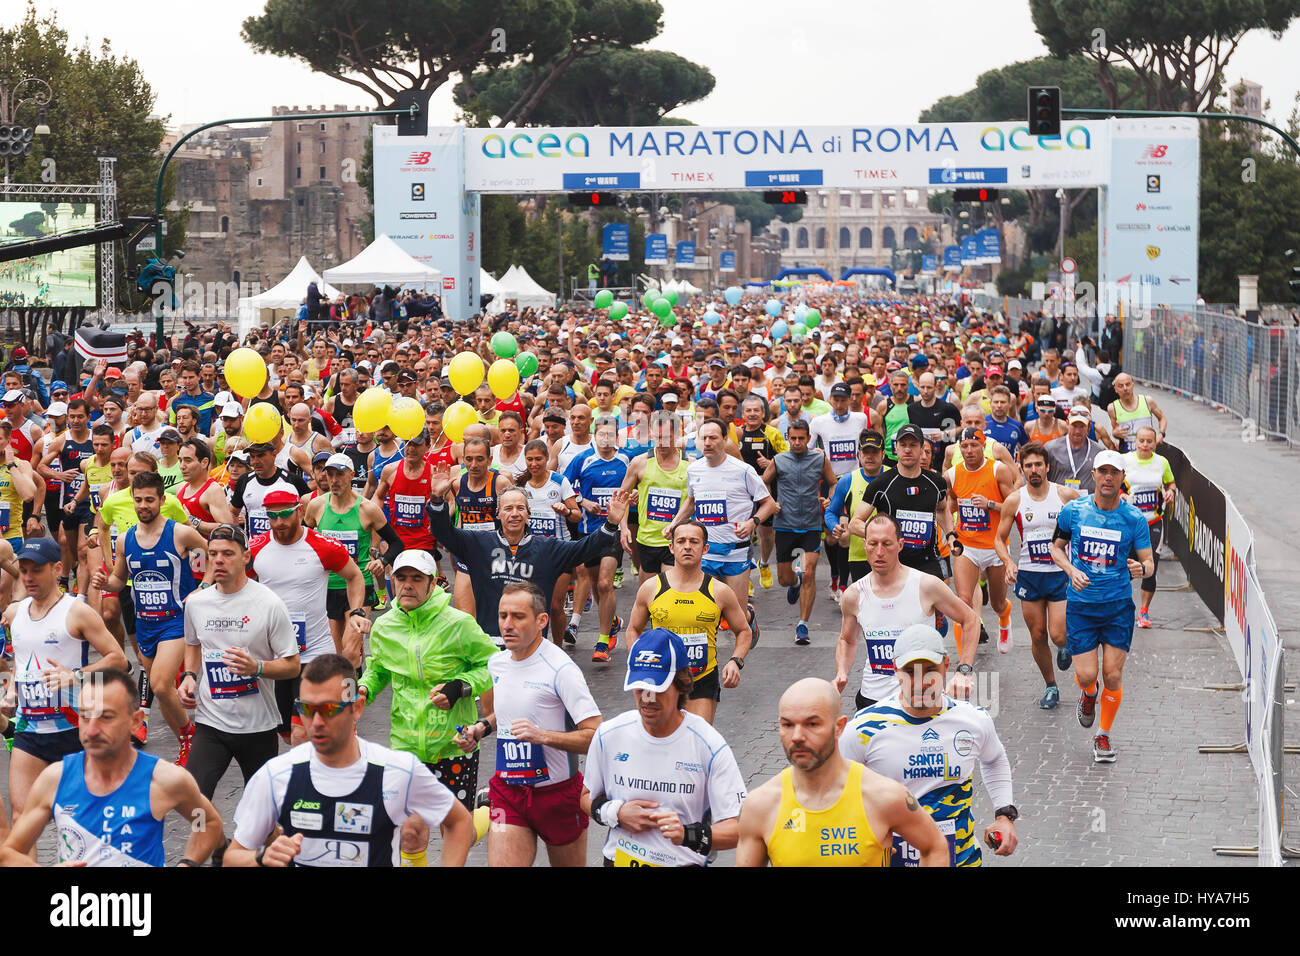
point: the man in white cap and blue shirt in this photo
(662, 779)
(930, 743)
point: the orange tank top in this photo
(976, 527)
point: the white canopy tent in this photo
(289, 293)
(490, 286)
(519, 286)
(383, 262)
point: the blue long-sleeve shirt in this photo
(839, 499)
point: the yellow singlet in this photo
(837, 836)
(694, 617)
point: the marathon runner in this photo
(759, 443)
(1102, 531)
(836, 433)
(1070, 459)
(477, 501)
(826, 810)
(544, 718)
(659, 777)
(881, 605)
(1131, 411)
(339, 799)
(552, 506)
(252, 489)
(930, 743)
(659, 480)
(50, 635)
(1039, 584)
(847, 496)
(1151, 489)
(685, 600)
(70, 449)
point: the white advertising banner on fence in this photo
(1149, 214)
(682, 159)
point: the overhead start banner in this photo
(777, 157)
(727, 261)
(656, 249)
(616, 239)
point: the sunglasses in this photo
(327, 709)
(228, 532)
(286, 513)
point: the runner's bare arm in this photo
(28, 828)
(181, 792)
(846, 649)
(909, 820)
(756, 819)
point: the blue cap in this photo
(919, 361)
(40, 551)
(653, 661)
(58, 385)
(320, 457)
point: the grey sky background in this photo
(836, 63)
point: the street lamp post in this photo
(11, 99)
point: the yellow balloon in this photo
(371, 410)
(263, 422)
(503, 378)
(465, 372)
(245, 372)
(458, 417)
(405, 417)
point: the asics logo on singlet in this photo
(306, 805)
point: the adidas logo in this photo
(789, 825)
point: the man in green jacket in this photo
(436, 658)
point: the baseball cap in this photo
(840, 390)
(652, 662)
(20, 353)
(1045, 401)
(919, 361)
(417, 560)
(421, 439)
(713, 363)
(406, 377)
(113, 373)
(870, 438)
(754, 361)
(232, 410)
(909, 431)
(970, 434)
(1079, 414)
(280, 499)
(321, 457)
(57, 409)
(257, 446)
(1014, 363)
(42, 551)
(869, 380)
(170, 434)
(1108, 457)
(920, 642)
(993, 371)
(241, 456)
(669, 396)
(339, 461)
(13, 395)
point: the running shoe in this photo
(1086, 711)
(587, 607)
(801, 634)
(753, 625)
(186, 740)
(984, 635)
(1102, 751)
(1063, 659)
(765, 576)
(568, 602)
(1142, 619)
(616, 630)
(571, 634)
(751, 588)
(482, 822)
(1004, 639)
(618, 578)
(793, 591)
(141, 736)
(1051, 698)
(601, 653)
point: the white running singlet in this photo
(881, 620)
(725, 496)
(1037, 523)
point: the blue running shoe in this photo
(801, 634)
(1051, 698)
(793, 591)
(1063, 659)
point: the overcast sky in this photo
(836, 63)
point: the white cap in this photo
(57, 409)
(920, 642)
(232, 410)
(755, 361)
(1079, 414)
(1015, 363)
(838, 347)
(13, 395)
(421, 561)
(340, 461)
(756, 339)
(1108, 457)
(679, 341)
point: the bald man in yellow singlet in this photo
(825, 810)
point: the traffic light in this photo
(416, 124)
(975, 195)
(1045, 111)
(1294, 281)
(786, 197)
(592, 199)
(15, 140)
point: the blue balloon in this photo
(779, 329)
(732, 295)
(774, 307)
(800, 312)
(712, 318)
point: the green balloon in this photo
(505, 345)
(667, 319)
(671, 296)
(618, 310)
(526, 362)
(661, 307)
(812, 318)
(603, 298)
(649, 296)
(799, 329)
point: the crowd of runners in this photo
(910, 459)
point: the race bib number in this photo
(697, 652)
(904, 854)
(1039, 545)
(153, 595)
(1146, 500)
(662, 504)
(972, 518)
(223, 683)
(346, 538)
(544, 526)
(1099, 546)
(36, 702)
(601, 496)
(880, 654)
(711, 510)
(96, 495)
(917, 527)
(299, 622)
(520, 762)
(4, 516)
(408, 510)
(258, 522)
(842, 449)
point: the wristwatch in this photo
(739, 662)
(964, 668)
(1009, 811)
(258, 859)
(358, 612)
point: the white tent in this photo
(288, 293)
(383, 262)
(490, 286)
(519, 286)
